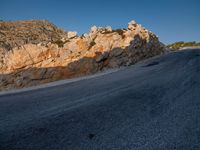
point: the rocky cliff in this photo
(36, 52)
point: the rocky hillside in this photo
(38, 52)
(18, 33)
(179, 45)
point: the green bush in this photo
(119, 31)
(60, 43)
(182, 44)
(92, 44)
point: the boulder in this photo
(93, 29)
(109, 28)
(71, 34)
(132, 25)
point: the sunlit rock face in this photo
(36, 52)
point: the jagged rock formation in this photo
(55, 54)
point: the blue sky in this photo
(171, 20)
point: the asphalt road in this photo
(153, 105)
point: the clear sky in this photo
(171, 20)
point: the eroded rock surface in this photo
(30, 58)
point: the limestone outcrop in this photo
(61, 55)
